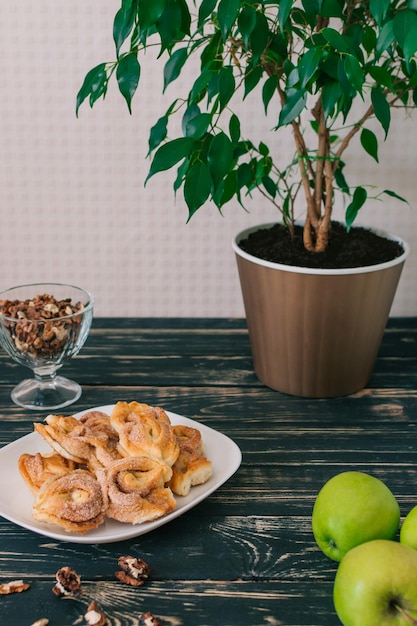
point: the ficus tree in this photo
(332, 66)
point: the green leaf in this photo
(197, 187)
(150, 12)
(394, 195)
(227, 12)
(263, 149)
(234, 128)
(269, 90)
(94, 86)
(359, 198)
(340, 179)
(206, 8)
(220, 157)
(195, 123)
(283, 12)
(174, 66)
(244, 175)
(293, 77)
(331, 8)
(370, 143)
(169, 154)
(369, 39)
(181, 172)
(200, 86)
(286, 205)
(308, 64)
(246, 24)
(381, 109)
(185, 17)
(381, 76)
(158, 133)
(123, 24)
(226, 86)
(405, 31)
(312, 10)
(292, 108)
(211, 52)
(128, 74)
(170, 25)
(259, 37)
(385, 39)
(330, 95)
(353, 71)
(379, 9)
(345, 83)
(226, 190)
(270, 186)
(342, 43)
(252, 77)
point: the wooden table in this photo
(245, 556)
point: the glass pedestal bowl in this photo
(42, 326)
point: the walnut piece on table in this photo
(133, 572)
(14, 586)
(68, 582)
(147, 619)
(94, 615)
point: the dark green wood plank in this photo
(196, 546)
(211, 603)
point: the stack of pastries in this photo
(127, 466)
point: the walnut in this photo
(14, 586)
(94, 615)
(147, 619)
(133, 571)
(68, 582)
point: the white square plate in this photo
(16, 500)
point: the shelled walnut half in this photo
(134, 571)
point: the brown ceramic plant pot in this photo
(316, 333)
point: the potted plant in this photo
(333, 70)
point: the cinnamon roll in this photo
(62, 434)
(192, 467)
(37, 468)
(101, 436)
(144, 431)
(135, 489)
(74, 501)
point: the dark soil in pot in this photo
(357, 248)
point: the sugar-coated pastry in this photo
(135, 489)
(144, 430)
(192, 467)
(62, 434)
(101, 436)
(38, 468)
(74, 501)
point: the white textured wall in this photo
(73, 205)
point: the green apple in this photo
(408, 532)
(376, 585)
(351, 508)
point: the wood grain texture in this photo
(246, 555)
